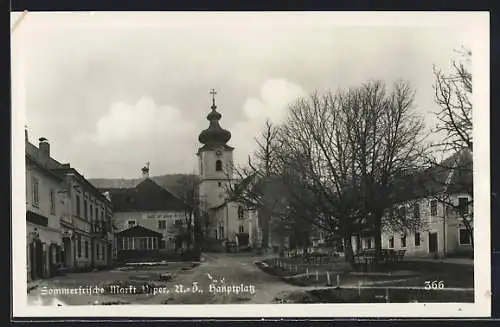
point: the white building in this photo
(148, 218)
(86, 223)
(434, 205)
(43, 211)
(70, 213)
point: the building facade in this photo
(86, 226)
(78, 215)
(435, 209)
(148, 217)
(43, 212)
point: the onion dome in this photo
(214, 134)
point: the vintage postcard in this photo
(251, 164)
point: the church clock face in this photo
(218, 153)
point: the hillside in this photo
(169, 181)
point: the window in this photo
(141, 243)
(162, 224)
(391, 242)
(465, 238)
(463, 206)
(36, 194)
(417, 239)
(52, 202)
(128, 243)
(78, 209)
(416, 211)
(91, 212)
(241, 212)
(218, 165)
(178, 223)
(403, 240)
(131, 223)
(219, 183)
(97, 213)
(79, 246)
(86, 249)
(434, 208)
(85, 209)
(242, 229)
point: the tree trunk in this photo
(348, 253)
(196, 232)
(189, 239)
(264, 218)
(281, 250)
(378, 234)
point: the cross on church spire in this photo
(213, 93)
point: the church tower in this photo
(215, 160)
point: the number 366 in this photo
(434, 285)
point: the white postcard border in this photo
(478, 25)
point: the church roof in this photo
(145, 196)
(214, 134)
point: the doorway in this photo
(67, 252)
(36, 259)
(433, 242)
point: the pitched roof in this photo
(452, 175)
(41, 159)
(145, 196)
(138, 231)
(43, 168)
(169, 182)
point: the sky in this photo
(111, 91)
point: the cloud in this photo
(141, 121)
(275, 96)
(128, 135)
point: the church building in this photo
(229, 221)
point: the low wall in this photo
(127, 256)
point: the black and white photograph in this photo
(251, 164)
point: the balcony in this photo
(36, 219)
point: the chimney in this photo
(145, 172)
(44, 146)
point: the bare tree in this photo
(319, 164)
(258, 188)
(348, 149)
(388, 137)
(187, 190)
(453, 92)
